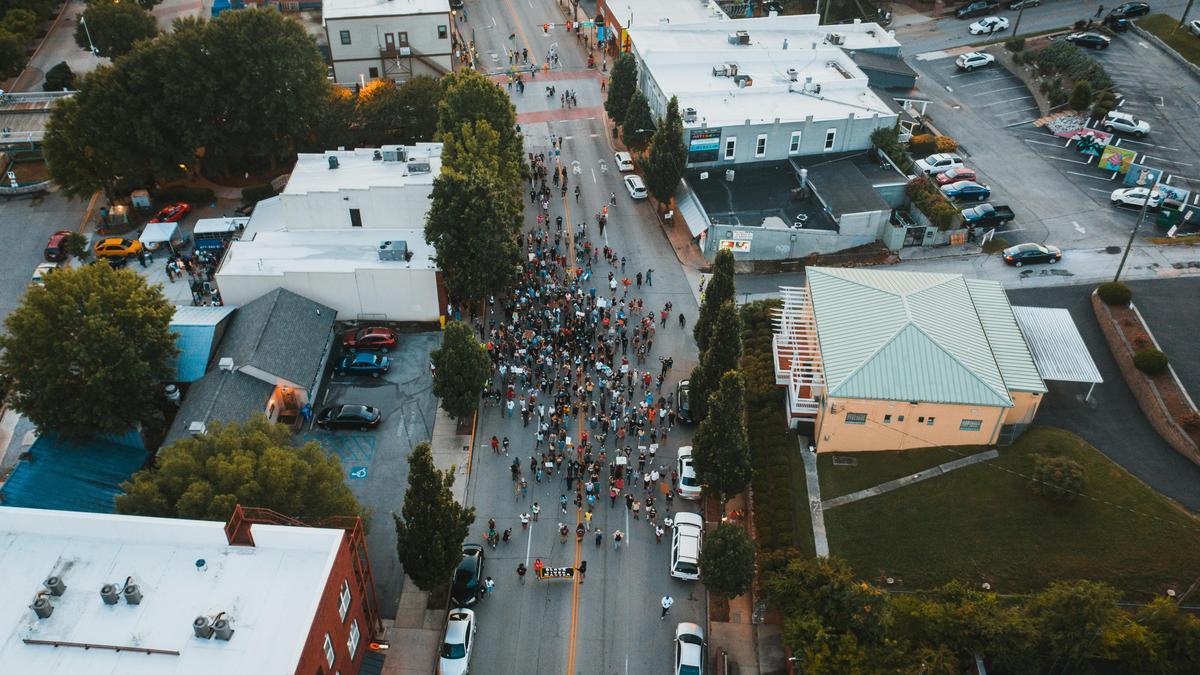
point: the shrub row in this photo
(888, 140)
(929, 200)
(1064, 61)
(923, 145)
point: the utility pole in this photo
(1017, 26)
(1186, 10)
(1136, 226)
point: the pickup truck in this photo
(986, 215)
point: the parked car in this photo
(986, 215)
(1025, 254)
(349, 416)
(977, 8)
(364, 363)
(988, 25)
(973, 60)
(44, 270)
(623, 161)
(689, 649)
(372, 338)
(955, 175)
(689, 486)
(1089, 40)
(1125, 123)
(468, 576)
(683, 400)
(1194, 27)
(55, 250)
(455, 657)
(1136, 196)
(637, 188)
(1116, 25)
(172, 213)
(967, 189)
(1130, 10)
(1024, 4)
(939, 163)
(117, 247)
(686, 539)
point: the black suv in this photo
(468, 576)
(977, 8)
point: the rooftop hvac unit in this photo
(395, 251)
(729, 175)
(689, 114)
(133, 594)
(376, 156)
(110, 594)
(394, 153)
(55, 585)
(203, 627)
(42, 607)
(225, 364)
(743, 81)
(725, 70)
(333, 162)
(793, 74)
(419, 166)
(222, 630)
(197, 428)
(741, 37)
(837, 39)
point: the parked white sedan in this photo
(689, 486)
(637, 188)
(456, 647)
(973, 60)
(1135, 196)
(988, 25)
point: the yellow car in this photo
(116, 247)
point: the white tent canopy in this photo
(1057, 347)
(159, 233)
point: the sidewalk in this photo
(416, 633)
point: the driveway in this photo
(376, 462)
(1115, 425)
(1170, 308)
(26, 224)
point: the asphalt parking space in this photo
(992, 92)
(376, 462)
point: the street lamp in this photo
(95, 52)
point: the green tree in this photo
(665, 162)
(1058, 477)
(468, 96)
(114, 27)
(334, 125)
(388, 113)
(825, 588)
(59, 77)
(430, 534)
(88, 352)
(20, 22)
(721, 449)
(80, 156)
(76, 246)
(474, 149)
(473, 229)
(1069, 617)
(1081, 96)
(720, 287)
(638, 124)
(419, 112)
(1178, 633)
(723, 353)
(622, 82)
(12, 54)
(461, 367)
(727, 560)
(252, 464)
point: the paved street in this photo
(610, 623)
(26, 224)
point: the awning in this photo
(1057, 347)
(690, 209)
(158, 233)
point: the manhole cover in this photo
(1112, 249)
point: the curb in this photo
(1142, 32)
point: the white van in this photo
(686, 539)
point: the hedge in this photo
(191, 195)
(1115, 294)
(929, 200)
(1150, 361)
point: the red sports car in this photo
(373, 338)
(955, 175)
(172, 214)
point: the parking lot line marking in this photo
(1186, 178)
(1099, 190)
(1010, 100)
(1053, 145)
(977, 83)
(1149, 145)
(1168, 161)
(1019, 86)
(1064, 159)
(1088, 175)
(968, 74)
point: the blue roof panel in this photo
(70, 476)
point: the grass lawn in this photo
(982, 523)
(879, 467)
(1166, 29)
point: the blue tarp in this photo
(196, 335)
(74, 476)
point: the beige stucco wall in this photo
(1025, 406)
(834, 434)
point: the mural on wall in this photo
(736, 245)
(1140, 175)
(703, 145)
(1116, 159)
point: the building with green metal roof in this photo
(887, 360)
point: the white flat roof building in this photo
(270, 593)
(387, 187)
(349, 9)
(344, 269)
(628, 13)
(795, 69)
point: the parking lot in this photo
(992, 92)
(376, 462)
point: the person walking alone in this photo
(666, 603)
(617, 537)
(521, 569)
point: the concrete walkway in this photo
(416, 634)
(908, 480)
(820, 541)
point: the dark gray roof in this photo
(220, 396)
(883, 62)
(283, 334)
(844, 188)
